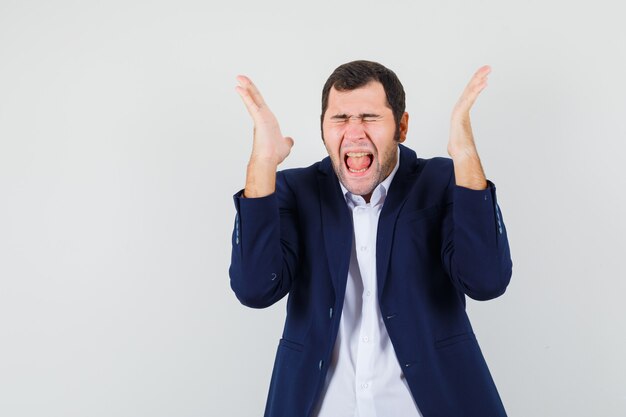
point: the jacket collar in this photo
(337, 221)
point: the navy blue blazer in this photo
(436, 243)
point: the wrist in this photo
(262, 163)
(260, 178)
(463, 153)
(468, 170)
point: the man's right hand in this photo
(269, 147)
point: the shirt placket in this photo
(364, 378)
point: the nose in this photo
(355, 129)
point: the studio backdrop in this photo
(122, 141)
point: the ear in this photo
(404, 127)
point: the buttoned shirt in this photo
(364, 378)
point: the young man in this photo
(377, 250)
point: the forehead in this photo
(363, 99)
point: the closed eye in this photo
(365, 117)
(340, 118)
(371, 118)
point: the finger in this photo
(476, 85)
(468, 99)
(247, 83)
(478, 79)
(483, 71)
(480, 75)
(289, 140)
(251, 106)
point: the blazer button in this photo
(321, 364)
(330, 314)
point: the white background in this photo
(122, 141)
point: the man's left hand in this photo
(461, 138)
(461, 147)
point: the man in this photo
(377, 250)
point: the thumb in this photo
(289, 141)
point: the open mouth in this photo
(358, 162)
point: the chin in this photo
(358, 186)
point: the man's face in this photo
(359, 134)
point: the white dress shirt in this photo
(364, 378)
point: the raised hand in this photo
(461, 141)
(269, 144)
(269, 147)
(468, 170)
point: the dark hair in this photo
(357, 74)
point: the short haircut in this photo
(356, 74)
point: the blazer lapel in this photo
(397, 195)
(336, 226)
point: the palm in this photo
(461, 137)
(269, 143)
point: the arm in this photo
(264, 246)
(264, 243)
(475, 251)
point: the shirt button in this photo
(363, 248)
(364, 385)
(366, 339)
(368, 293)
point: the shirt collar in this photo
(378, 195)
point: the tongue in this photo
(358, 163)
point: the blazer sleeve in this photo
(475, 248)
(264, 254)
